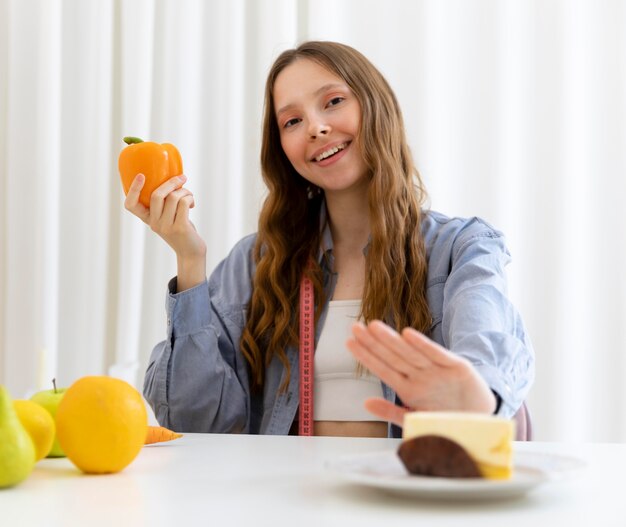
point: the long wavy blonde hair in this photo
(289, 234)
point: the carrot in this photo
(158, 434)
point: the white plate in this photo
(385, 471)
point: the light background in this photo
(515, 112)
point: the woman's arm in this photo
(479, 321)
(425, 375)
(168, 216)
(485, 349)
(194, 381)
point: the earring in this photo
(313, 191)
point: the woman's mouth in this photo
(327, 155)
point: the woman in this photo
(435, 329)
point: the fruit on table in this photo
(38, 423)
(17, 452)
(157, 162)
(101, 424)
(50, 400)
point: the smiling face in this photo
(318, 119)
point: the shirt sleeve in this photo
(192, 382)
(480, 323)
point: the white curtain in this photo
(515, 112)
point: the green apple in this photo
(50, 400)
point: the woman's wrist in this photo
(191, 272)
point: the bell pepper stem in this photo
(132, 140)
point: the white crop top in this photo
(338, 390)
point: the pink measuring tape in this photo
(307, 350)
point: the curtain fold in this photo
(515, 112)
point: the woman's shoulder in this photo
(451, 233)
(436, 224)
(241, 255)
(244, 247)
(232, 277)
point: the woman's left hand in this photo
(423, 374)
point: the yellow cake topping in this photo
(486, 438)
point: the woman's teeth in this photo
(331, 151)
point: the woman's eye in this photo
(335, 101)
(291, 122)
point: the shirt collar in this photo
(326, 243)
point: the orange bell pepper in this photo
(157, 162)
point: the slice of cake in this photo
(486, 439)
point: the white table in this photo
(206, 479)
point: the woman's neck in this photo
(348, 215)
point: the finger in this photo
(389, 375)
(182, 211)
(157, 199)
(385, 410)
(168, 216)
(131, 203)
(137, 184)
(398, 346)
(378, 348)
(430, 349)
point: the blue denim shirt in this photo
(197, 379)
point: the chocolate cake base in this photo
(432, 455)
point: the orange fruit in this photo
(38, 423)
(101, 424)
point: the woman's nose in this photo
(318, 128)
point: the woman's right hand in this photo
(168, 216)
